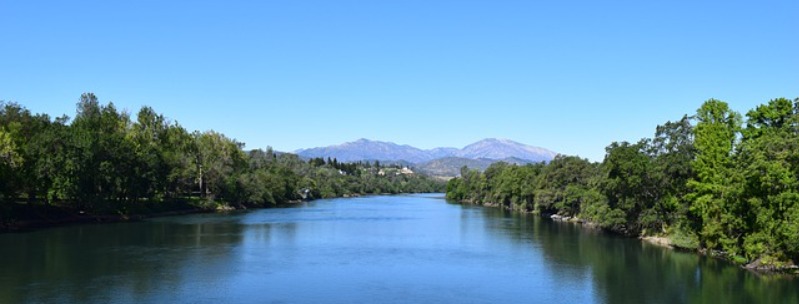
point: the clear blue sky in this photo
(571, 76)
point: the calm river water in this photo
(384, 249)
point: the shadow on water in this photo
(101, 263)
(388, 249)
(625, 270)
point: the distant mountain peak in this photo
(366, 149)
(494, 148)
(489, 149)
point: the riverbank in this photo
(658, 240)
(758, 266)
(22, 217)
(33, 216)
(73, 219)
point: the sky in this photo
(570, 76)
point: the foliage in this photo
(713, 187)
(704, 181)
(103, 161)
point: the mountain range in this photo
(438, 161)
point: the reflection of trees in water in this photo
(132, 261)
(85, 263)
(647, 273)
(629, 271)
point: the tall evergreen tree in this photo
(713, 192)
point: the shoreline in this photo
(64, 216)
(33, 225)
(656, 240)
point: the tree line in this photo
(712, 181)
(105, 161)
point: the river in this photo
(381, 249)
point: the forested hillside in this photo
(103, 161)
(710, 181)
(440, 162)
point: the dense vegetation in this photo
(707, 181)
(104, 162)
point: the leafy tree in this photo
(105, 162)
(769, 162)
(562, 185)
(708, 184)
(673, 151)
(219, 160)
(629, 185)
(103, 157)
(10, 160)
(713, 191)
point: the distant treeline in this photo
(708, 181)
(104, 161)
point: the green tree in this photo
(102, 154)
(219, 162)
(769, 162)
(104, 162)
(672, 151)
(713, 190)
(563, 184)
(630, 186)
(10, 160)
(25, 130)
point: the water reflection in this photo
(395, 249)
(629, 271)
(100, 263)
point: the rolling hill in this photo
(438, 161)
